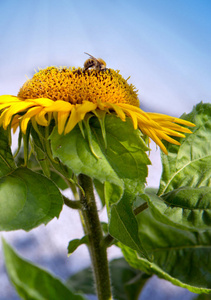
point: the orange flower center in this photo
(75, 86)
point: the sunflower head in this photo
(66, 95)
(76, 86)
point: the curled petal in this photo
(62, 119)
(14, 109)
(77, 114)
(72, 121)
(119, 111)
(41, 118)
(149, 132)
(26, 118)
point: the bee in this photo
(92, 62)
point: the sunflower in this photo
(68, 94)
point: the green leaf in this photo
(186, 208)
(27, 199)
(32, 282)
(111, 194)
(203, 297)
(59, 181)
(123, 163)
(35, 166)
(190, 163)
(126, 281)
(74, 244)
(125, 152)
(7, 163)
(123, 225)
(181, 257)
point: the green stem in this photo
(71, 203)
(140, 208)
(108, 240)
(93, 229)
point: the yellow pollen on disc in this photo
(75, 86)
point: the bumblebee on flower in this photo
(66, 95)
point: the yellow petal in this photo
(26, 118)
(161, 117)
(78, 113)
(41, 118)
(142, 119)
(173, 126)
(2, 106)
(58, 106)
(45, 102)
(155, 138)
(8, 99)
(72, 121)
(173, 133)
(164, 136)
(15, 123)
(133, 117)
(85, 107)
(134, 108)
(14, 109)
(62, 118)
(2, 118)
(119, 111)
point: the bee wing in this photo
(96, 62)
(94, 58)
(91, 56)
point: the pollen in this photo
(76, 86)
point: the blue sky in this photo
(163, 45)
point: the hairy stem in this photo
(71, 203)
(93, 229)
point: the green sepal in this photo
(37, 137)
(89, 134)
(26, 138)
(100, 114)
(80, 124)
(39, 148)
(7, 163)
(32, 282)
(20, 136)
(43, 161)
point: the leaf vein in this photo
(190, 162)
